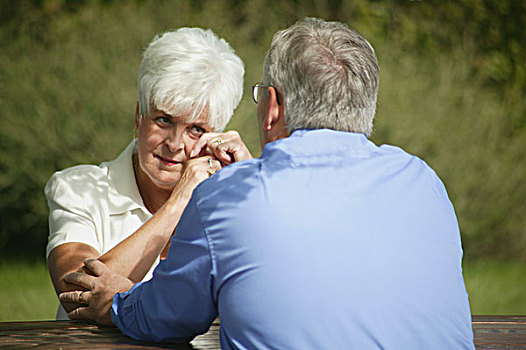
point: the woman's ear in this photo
(137, 115)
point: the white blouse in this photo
(96, 205)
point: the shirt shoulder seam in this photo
(210, 243)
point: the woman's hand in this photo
(227, 147)
(210, 153)
(195, 171)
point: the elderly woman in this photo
(123, 212)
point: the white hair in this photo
(189, 70)
(328, 75)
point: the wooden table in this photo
(491, 333)
(78, 335)
(499, 332)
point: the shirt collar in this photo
(123, 194)
(310, 144)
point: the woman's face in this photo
(164, 143)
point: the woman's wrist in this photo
(172, 209)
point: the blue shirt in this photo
(325, 242)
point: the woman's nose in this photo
(175, 140)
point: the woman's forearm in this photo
(134, 256)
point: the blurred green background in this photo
(453, 81)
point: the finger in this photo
(226, 152)
(80, 279)
(80, 313)
(202, 143)
(231, 151)
(95, 266)
(202, 168)
(210, 167)
(212, 163)
(74, 297)
(229, 147)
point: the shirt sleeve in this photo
(177, 303)
(69, 216)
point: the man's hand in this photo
(101, 284)
(227, 147)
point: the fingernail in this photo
(191, 153)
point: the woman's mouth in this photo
(168, 161)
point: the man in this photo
(325, 242)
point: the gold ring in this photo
(80, 298)
(218, 141)
(211, 172)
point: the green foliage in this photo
(492, 30)
(26, 292)
(494, 287)
(452, 86)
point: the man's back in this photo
(325, 242)
(328, 241)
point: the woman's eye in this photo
(162, 120)
(197, 130)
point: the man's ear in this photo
(137, 115)
(274, 123)
(275, 110)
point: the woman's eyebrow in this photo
(202, 124)
(164, 113)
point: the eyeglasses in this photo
(256, 88)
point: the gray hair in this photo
(189, 70)
(328, 75)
